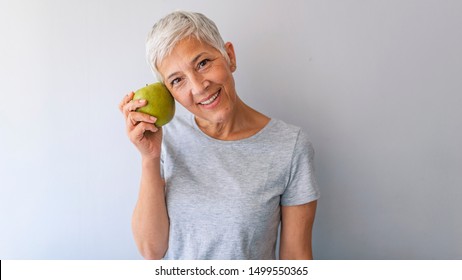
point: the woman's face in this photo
(200, 79)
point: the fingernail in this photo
(142, 101)
(153, 118)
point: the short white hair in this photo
(176, 26)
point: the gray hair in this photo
(172, 28)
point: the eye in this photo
(175, 81)
(203, 63)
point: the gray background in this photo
(376, 84)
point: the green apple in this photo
(160, 102)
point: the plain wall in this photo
(376, 84)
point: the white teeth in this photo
(207, 102)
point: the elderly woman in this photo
(217, 183)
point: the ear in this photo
(232, 56)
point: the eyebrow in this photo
(193, 61)
(196, 58)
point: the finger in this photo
(137, 117)
(138, 132)
(133, 105)
(134, 118)
(125, 100)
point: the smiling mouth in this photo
(211, 99)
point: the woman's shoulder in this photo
(178, 130)
(284, 126)
(281, 129)
(287, 134)
(180, 121)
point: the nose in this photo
(199, 84)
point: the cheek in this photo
(228, 81)
(225, 75)
(184, 99)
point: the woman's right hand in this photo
(141, 128)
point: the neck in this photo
(241, 123)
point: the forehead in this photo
(183, 53)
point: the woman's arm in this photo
(150, 223)
(296, 230)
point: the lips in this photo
(209, 100)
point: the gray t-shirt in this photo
(224, 197)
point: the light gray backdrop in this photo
(377, 85)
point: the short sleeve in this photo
(302, 186)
